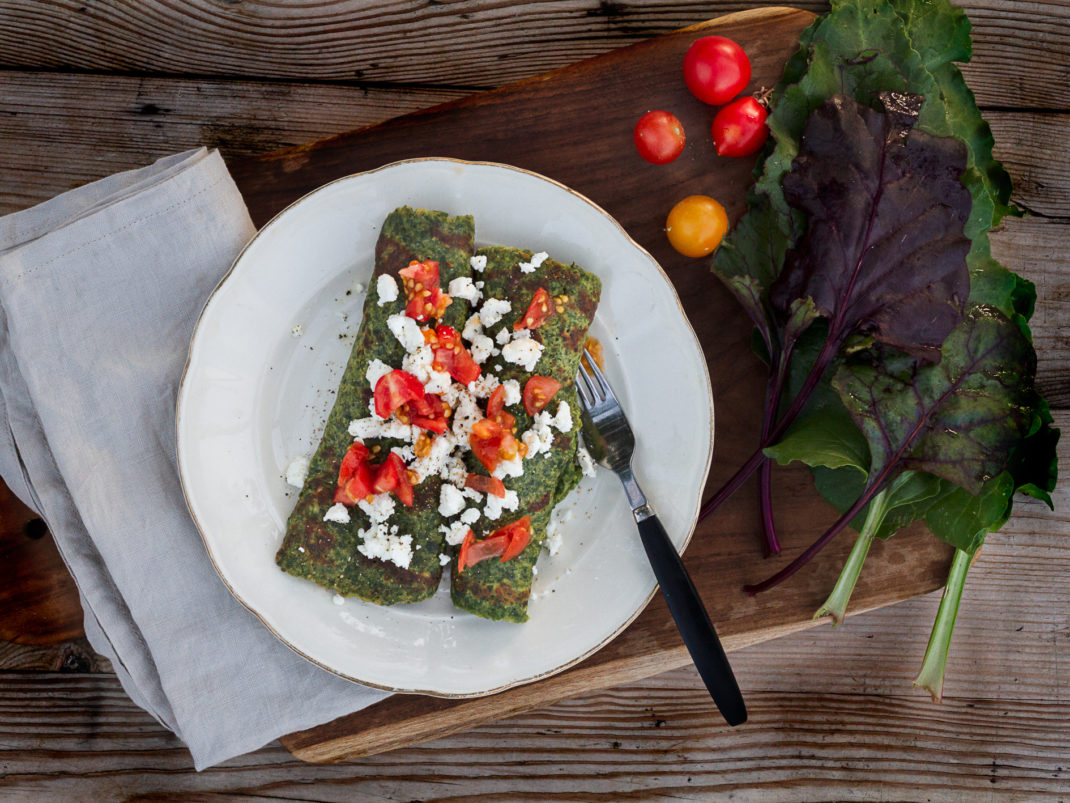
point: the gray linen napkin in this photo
(99, 292)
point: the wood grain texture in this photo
(60, 131)
(38, 599)
(478, 43)
(828, 706)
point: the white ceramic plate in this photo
(255, 396)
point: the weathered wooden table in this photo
(90, 88)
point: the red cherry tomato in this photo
(354, 456)
(452, 357)
(539, 311)
(716, 69)
(739, 128)
(659, 137)
(485, 485)
(425, 298)
(496, 402)
(538, 391)
(355, 475)
(519, 535)
(486, 440)
(473, 551)
(403, 488)
(395, 389)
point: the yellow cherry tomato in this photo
(696, 225)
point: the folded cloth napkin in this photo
(99, 292)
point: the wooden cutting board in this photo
(575, 125)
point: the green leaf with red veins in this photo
(884, 250)
(957, 419)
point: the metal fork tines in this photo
(610, 441)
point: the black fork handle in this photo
(692, 621)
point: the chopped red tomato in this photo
(509, 448)
(425, 297)
(386, 476)
(428, 413)
(496, 409)
(485, 485)
(354, 456)
(356, 487)
(538, 391)
(485, 439)
(518, 536)
(451, 355)
(403, 488)
(473, 551)
(496, 402)
(539, 311)
(395, 389)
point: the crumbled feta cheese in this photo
(536, 260)
(473, 327)
(373, 427)
(492, 311)
(553, 539)
(338, 599)
(479, 285)
(337, 513)
(297, 330)
(521, 334)
(482, 347)
(484, 386)
(385, 544)
(406, 330)
(450, 501)
(377, 369)
(419, 364)
(387, 288)
(297, 472)
(508, 468)
(358, 288)
(585, 461)
(512, 392)
(463, 287)
(473, 494)
(534, 570)
(379, 509)
(525, 353)
(503, 336)
(478, 263)
(454, 532)
(443, 559)
(406, 453)
(470, 516)
(454, 471)
(540, 438)
(433, 463)
(465, 414)
(496, 504)
(563, 419)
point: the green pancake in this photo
(327, 552)
(492, 589)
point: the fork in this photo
(610, 440)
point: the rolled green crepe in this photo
(328, 552)
(491, 588)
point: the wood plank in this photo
(39, 602)
(60, 131)
(106, 124)
(80, 737)
(1036, 248)
(1022, 50)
